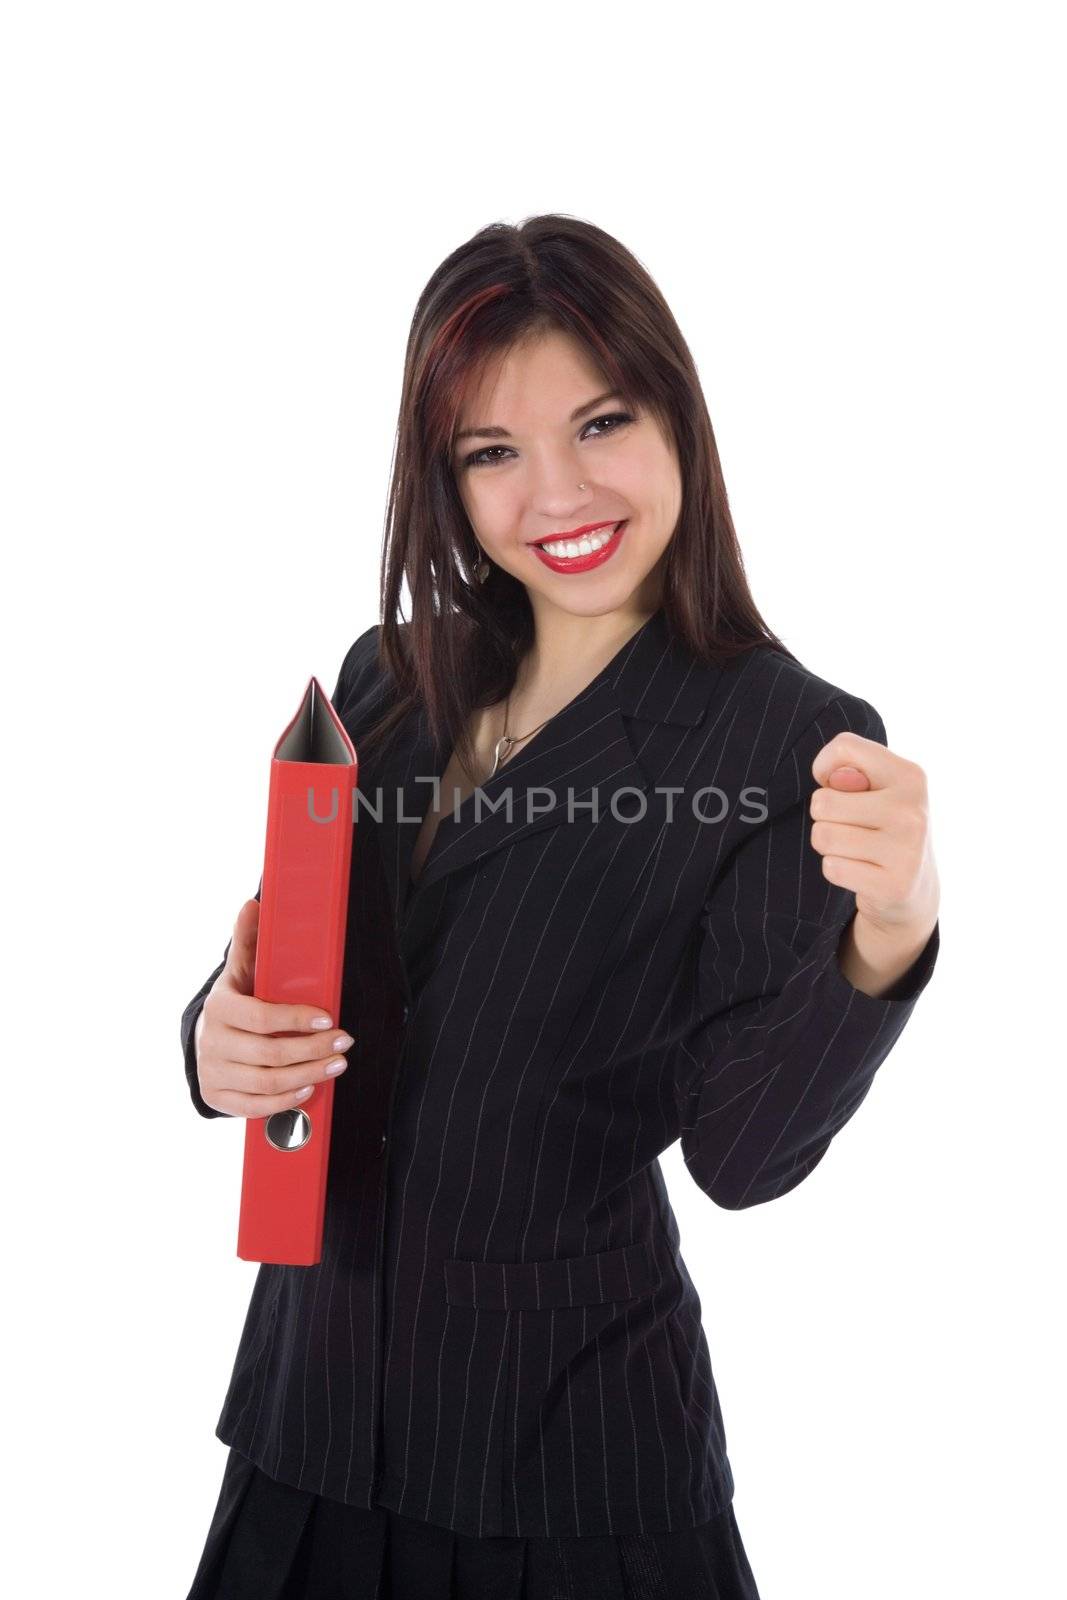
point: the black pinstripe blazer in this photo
(502, 1336)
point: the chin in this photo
(594, 601)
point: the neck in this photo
(566, 655)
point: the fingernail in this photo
(302, 1094)
(321, 1022)
(334, 1067)
(343, 1041)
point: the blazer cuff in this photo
(908, 987)
(188, 1029)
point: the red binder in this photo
(299, 959)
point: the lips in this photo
(581, 563)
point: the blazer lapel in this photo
(586, 748)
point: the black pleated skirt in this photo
(271, 1541)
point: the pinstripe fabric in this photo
(502, 1336)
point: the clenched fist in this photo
(872, 828)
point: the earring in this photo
(581, 486)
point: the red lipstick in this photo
(581, 563)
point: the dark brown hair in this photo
(465, 640)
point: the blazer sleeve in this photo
(781, 1048)
(358, 654)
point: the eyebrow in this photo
(502, 433)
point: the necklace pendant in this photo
(503, 745)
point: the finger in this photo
(245, 1011)
(848, 749)
(236, 1104)
(867, 808)
(241, 960)
(900, 814)
(862, 877)
(844, 839)
(258, 1049)
(848, 780)
(255, 1081)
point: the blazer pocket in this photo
(620, 1274)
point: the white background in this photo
(217, 221)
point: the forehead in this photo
(547, 373)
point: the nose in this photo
(560, 487)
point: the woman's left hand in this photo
(872, 828)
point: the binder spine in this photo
(299, 961)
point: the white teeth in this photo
(580, 547)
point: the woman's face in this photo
(518, 478)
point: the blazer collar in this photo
(589, 745)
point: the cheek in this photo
(648, 472)
(497, 505)
(493, 514)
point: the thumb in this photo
(848, 779)
(241, 961)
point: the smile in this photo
(578, 555)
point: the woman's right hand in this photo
(242, 1070)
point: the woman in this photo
(628, 872)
